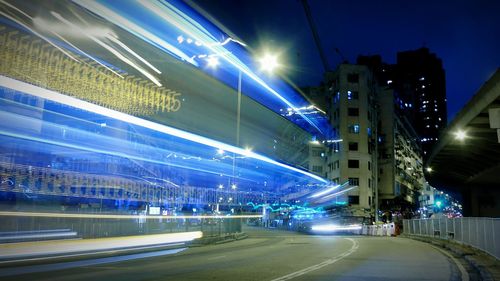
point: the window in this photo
(353, 111)
(336, 164)
(317, 153)
(354, 129)
(353, 163)
(353, 78)
(353, 146)
(369, 183)
(352, 95)
(317, 169)
(369, 131)
(369, 200)
(353, 181)
(369, 166)
(353, 199)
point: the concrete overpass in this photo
(467, 157)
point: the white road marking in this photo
(463, 272)
(215, 258)
(306, 270)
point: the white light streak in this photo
(90, 107)
(340, 192)
(328, 190)
(121, 44)
(107, 216)
(196, 31)
(39, 35)
(86, 54)
(334, 227)
(110, 49)
(138, 31)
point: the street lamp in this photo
(269, 62)
(460, 135)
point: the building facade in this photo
(352, 111)
(400, 158)
(420, 80)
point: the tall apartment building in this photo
(420, 81)
(400, 156)
(352, 111)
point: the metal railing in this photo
(480, 233)
(85, 227)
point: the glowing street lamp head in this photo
(428, 169)
(460, 135)
(212, 62)
(269, 62)
(221, 186)
(233, 186)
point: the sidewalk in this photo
(22, 252)
(487, 266)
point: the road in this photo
(278, 255)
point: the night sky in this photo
(464, 34)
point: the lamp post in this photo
(268, 63)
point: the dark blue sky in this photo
(464, 34)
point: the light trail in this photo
(108, 216)
(39, 35)
(109, 48)
(90, 107)
(135, 29)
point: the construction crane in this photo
(317, 40)
(315, 35)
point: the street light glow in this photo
(460, 135)
(212, 62)
(269, 62)
(428, 169)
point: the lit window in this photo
(435, 109)
(389, 82)
(353, 181)
(423, 86)
(354, 129)
(354, 95)
(428, 126)
(422, 78)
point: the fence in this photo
(480, 233)
(97, 227)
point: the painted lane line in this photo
(306, 270)
(463, 272)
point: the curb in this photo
(471, 256)
(218, 239)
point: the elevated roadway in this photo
(470, 163)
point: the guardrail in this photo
(480, 233)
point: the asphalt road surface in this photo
(278, 255)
